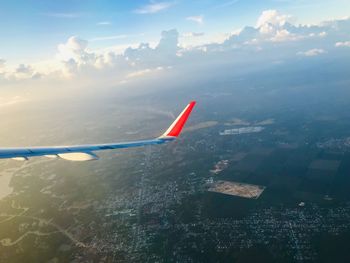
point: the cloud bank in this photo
(275, 37)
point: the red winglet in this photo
(175, 128)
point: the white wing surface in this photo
(86, 152)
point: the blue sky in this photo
(32, 29)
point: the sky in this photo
(83, 40)
(32, 29)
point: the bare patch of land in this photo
(237, 189)
(236, 121)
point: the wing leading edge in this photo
(85, 152)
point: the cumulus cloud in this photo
(276, 27)
(273, 27)
(77, 60)
(196, 19)
(272, 17)
(312, 52)
(163, 54)
(284, 35)
(153, 7)
(274, 37)
(74, 55)
(169, 42)
(343, 44)
(74, 47)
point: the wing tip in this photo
(176, 127)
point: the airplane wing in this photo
(86, 152)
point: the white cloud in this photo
(163, 53)
(153, 7)
(276, 27)
(272, 17)
(196, 19)
(77, 60)
(104, 23)
(284, 35)
(312, 52)
(343, 44)
(74, 44)
(274, 38)
(74, 56)
(75, 47)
